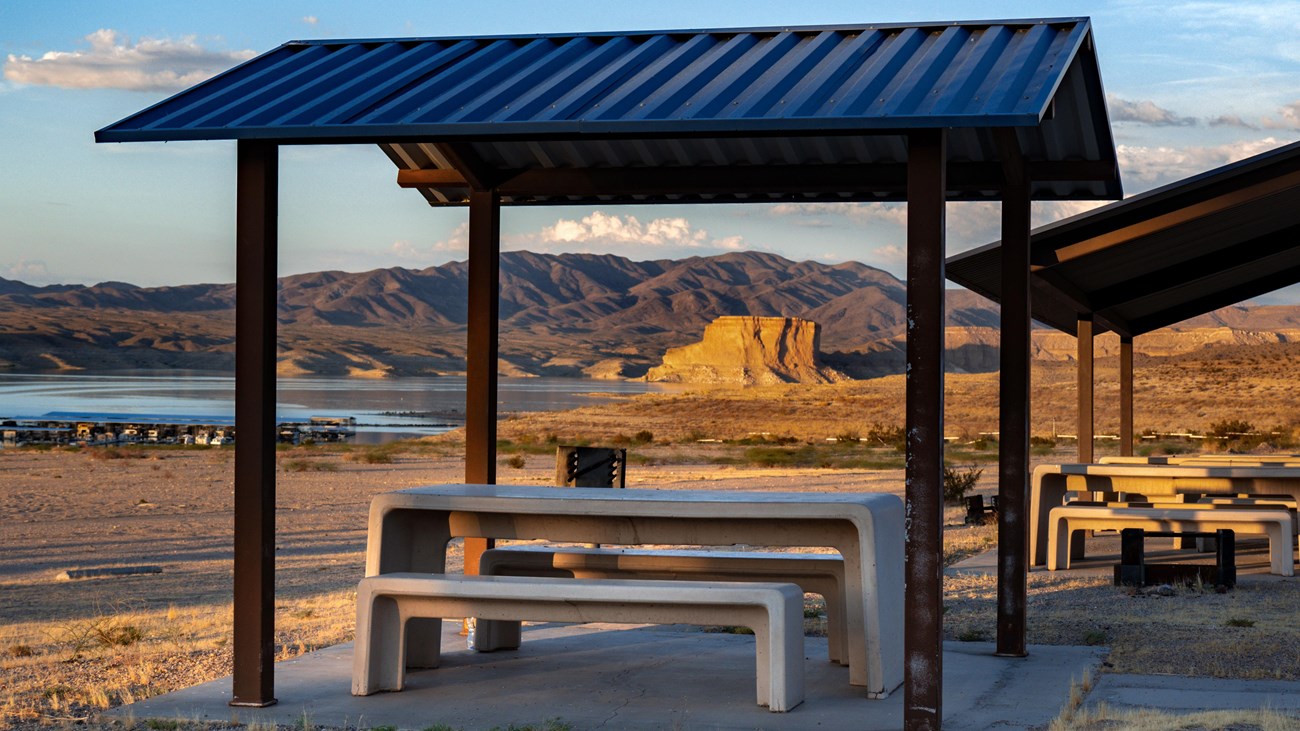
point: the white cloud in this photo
(1289, 118)
(1145, 112)
(890, 254)
(310, 19)
(814, 214)
(599, 227)
(30, 271)
(1152, 166)
(112, 62)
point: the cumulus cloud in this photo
(1289, 118)
(815, 214)
(113, 62)
(310, 19)
(602, 228)
(1145, 112)
(1157, 165)
(30, 271)
(890, 254)
(457, 242)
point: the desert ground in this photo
(69, 648)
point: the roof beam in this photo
(477, 173)
(883, 177)
(1146, 284)
(1209, 303)
(1146, 226)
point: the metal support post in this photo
(923, 602)
(481, 355)
(1126, 395)
(1085, 361)
(255, 339)
(1013, 438)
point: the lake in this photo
(385, 409)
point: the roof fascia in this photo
(846, 27)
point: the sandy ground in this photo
(65, 510)
(173, 509)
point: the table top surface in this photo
(1171, 470)
(623, 501)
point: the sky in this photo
(1191, 85)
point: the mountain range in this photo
(560, 315)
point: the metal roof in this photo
(804, 109)
(1164, 256)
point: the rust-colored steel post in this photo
(1013, 427)
(923, 598)
(1126, 395)
(255, 338)
(481, 355)
(1085, 361)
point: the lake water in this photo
(387, 409)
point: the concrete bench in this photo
(387, 602)
(814, 573)
(1276, 524)
(1053, 482)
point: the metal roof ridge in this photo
(690, 31)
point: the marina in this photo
(123, 408)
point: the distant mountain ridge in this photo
(561, 314)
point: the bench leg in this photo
(1058, 544)
(497, 634)
(778, 656)
(423, 639)
(1281, 557)
(837, 636)
(377, 657)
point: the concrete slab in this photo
(1184, 694)
(614, 676)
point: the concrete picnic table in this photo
(1051, 483)
(409, 531)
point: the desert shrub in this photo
(116, 453)
(514, 461)
(373, 455)
(21, 651)
(958, 482)
(887, 436)
(849, 435)
(1230, 428)
(781, 457)
(307, 465)
(1037, 441)
(696, 435)
(645, 436)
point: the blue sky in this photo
(1191, 86)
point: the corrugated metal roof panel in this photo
(787, 95)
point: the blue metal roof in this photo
(791, 96)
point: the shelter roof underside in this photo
(1164, 256)
(769, 114)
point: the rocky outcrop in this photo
(749, 351)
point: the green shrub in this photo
(956, 483)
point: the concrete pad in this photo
(1184, 694)
(653, 677)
